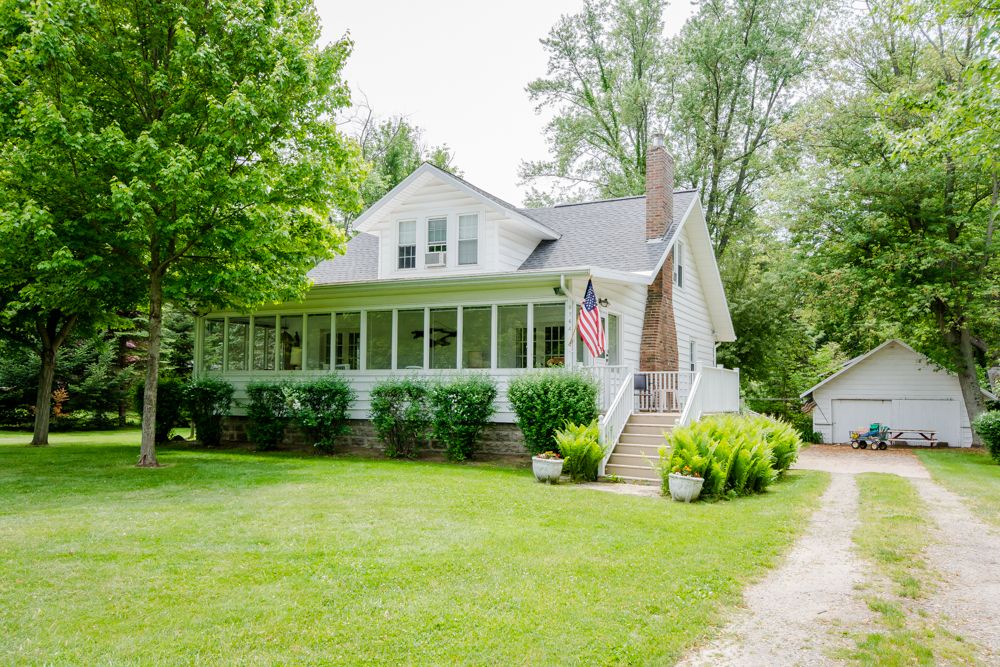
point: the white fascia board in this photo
(364, 221)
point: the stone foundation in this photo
(497, 441)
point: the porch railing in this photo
(714, 390)
(662, 391)
(615, 417)
(609, 379)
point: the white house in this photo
(443, 277)
(896, 385)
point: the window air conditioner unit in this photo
(435, 259)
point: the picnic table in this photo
(920, 435)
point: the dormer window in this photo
(407, 244)
(468, 239)
(437, 238)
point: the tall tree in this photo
(227, 158)
(392, 148)
(899, 235)
(57, 276)
(737, 68)
(606, 84)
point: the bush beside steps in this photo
(736, 455)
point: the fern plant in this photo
(581, 450)
(736, 455)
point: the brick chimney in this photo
(659, 188)
(658, 348)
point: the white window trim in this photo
(678, 264)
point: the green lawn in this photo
(972, 474)
(234, 557)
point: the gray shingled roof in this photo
(610, 234)
(358, 263)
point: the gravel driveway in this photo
(843, 459)
(799, 614)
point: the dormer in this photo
(434, 223)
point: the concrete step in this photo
(642, 439)
(650, 451)
(664, 418)
(646, 429)
(640, 481)
(641, 472)
(628, 459)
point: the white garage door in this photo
(853, 414)
(940, 415)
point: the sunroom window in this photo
(443, 337)
(468, 239)
(512, 336)
(263, 343)
(348, 341)
(291, 342)
(212, 349)
(410, 339)
(407, 244)
(239, 343)
(379, 341)
(318, 342)
(550, 335)
(476, 346)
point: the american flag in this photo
(589, 325)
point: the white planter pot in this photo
(547, 470)
(684, 488)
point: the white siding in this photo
(504, 243)
(628, 301)
(901, 376)
(691, 315)
(513, 245)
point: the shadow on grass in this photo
(31, 476)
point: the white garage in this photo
(895, 385)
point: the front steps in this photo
(638, 447)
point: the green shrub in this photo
(461, 410)
(581, 450)
(170, 404)
(735, 455)
(400, 414)
(987, 425)
(321, 408)
(269, 413)
(208, 402)
(782, 437)
(545, 401)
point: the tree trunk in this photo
(975, 402)
(43, 402)
(147, 452)
(121, 363)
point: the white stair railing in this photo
(715, 389)
(614, 419)
(609, 379)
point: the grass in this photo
(226, 557)
(971, 474)
(892, 536)
(893, 531)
